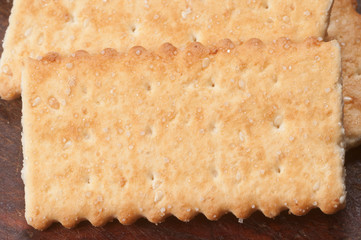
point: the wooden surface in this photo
(344, 225)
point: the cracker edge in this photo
(10, 89)
(198, 50)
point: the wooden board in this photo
(316, 225)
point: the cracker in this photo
(232, 128)
(37, 26)
(345, 26)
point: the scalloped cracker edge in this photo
(38, 27)
(345, 26)
(230, 128)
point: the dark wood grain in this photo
(344, 225)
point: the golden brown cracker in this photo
(64, 26)
(345, 26)
(235, 128)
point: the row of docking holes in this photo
(276, 122)
(210, 83)
(132, 28)
(192, 37)
(214, 174)
(148, 87)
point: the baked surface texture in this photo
(38, 27)
(345, 26)
(229, 128)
